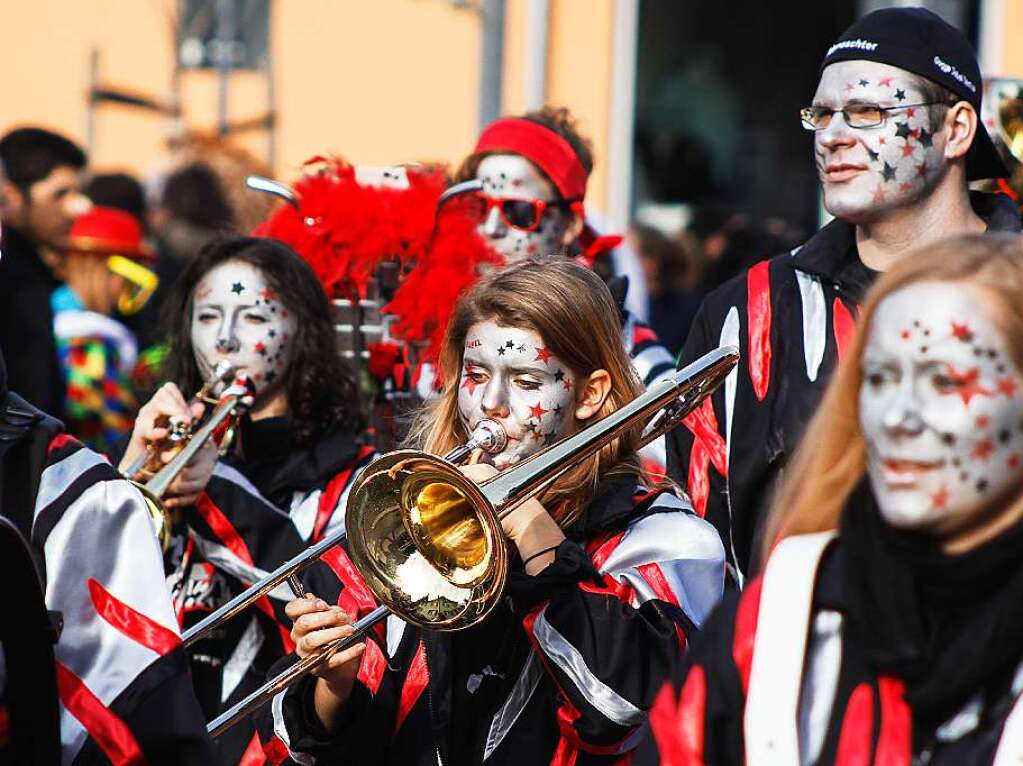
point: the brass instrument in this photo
(186, 440)
(410, 508)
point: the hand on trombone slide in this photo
(153, 425)
(315, 624)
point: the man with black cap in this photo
(896, 140)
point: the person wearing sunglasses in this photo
(896, 140)
(532, 172)
(107, 269)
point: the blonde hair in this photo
(831, 458)
(571, 309)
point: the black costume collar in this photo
(275, 464)
(831, 253)
(947, 625)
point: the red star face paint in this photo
(511, 176)
(941, 408)
(868, 171)
(237, 317)
(509, 375)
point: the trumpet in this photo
(187, 440)
(428, 541)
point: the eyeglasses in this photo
(856, 115)
(523, 214)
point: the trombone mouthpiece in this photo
(489, 436)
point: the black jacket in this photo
(790, 317)
(26, 324)
(562, 671)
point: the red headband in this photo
(541, 145)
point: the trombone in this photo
(428, 541)
(153, 485)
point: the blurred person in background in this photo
(896, 140)
(107, 271)
(666, 268)
(121, 191)
(41, 198)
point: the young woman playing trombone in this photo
(609, 572)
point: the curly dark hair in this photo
(323, 395)
(556, 119)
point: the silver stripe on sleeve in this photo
(58, 477)
(815, 321)
(304, 507)
(687, 549)
(225, 560)
(241, 659)
(606, 700)
(512, 708)
(281, 730)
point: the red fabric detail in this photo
(658, 583)
(844, 326)
(383, 357)
(328, 502)
(253, 755)
(642, 333)
(758, 307)
(356, 598)
(1007, 190)
(565, 754)
(699, 477)
(703, 424)
(601, 548)
(746, 616)
(132, 623)
(856, 738)
(276, 751)
(894, 740)
(608, 586)
(678, 726)
(223, 528)
(108, 731)
(595, 245)
(415, 683)
(5, 726)
(541, 146)
(372, 667)
(61, 440)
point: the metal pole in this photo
(535, 69)
(491, 60)
(623, 113)
(224, 52)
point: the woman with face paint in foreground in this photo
(610, 574)
(887, 625)
(254, 303)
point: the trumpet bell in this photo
(159, 516)
(426, 540)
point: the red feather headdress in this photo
(344, 229)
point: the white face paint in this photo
(941, 409)
(867, 172)
(237, 317)
(511, 176)
(510, 376)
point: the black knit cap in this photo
(918, 41)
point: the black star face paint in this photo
(939, 420)
(509, 375)
(868, 172)
(511, 176)
(236, 316)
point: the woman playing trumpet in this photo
(252, 302)
(610, 576)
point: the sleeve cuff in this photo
(571, 566)
(306, 731)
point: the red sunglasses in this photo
(523, 214)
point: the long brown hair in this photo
(571, 309)
(831, 459)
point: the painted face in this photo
(867, 172)
(941, 409)
(511, 176)
(510, 376)
(237, 316)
